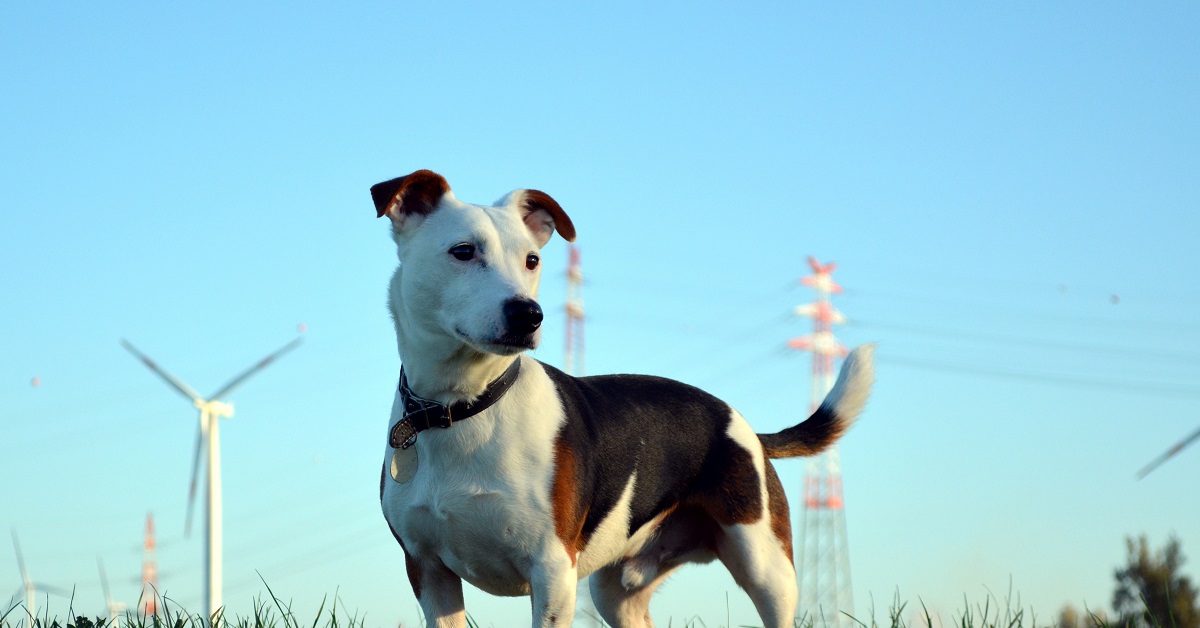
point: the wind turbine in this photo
(28, 586)
(211, 410)
(114, 609)
(1176, 448)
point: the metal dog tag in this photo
(404, 464)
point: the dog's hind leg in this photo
(759, 564)
(622, 607)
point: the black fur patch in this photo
(672, 434)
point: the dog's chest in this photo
(483, 531)
(479, 498)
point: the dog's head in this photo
(468, 273)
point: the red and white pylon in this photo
(149, 604)
(573, 361)
(824, 566)
(585, 610)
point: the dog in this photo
(520, 479)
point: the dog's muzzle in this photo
(522, 317)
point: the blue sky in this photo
(1009, 190)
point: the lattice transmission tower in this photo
(573, 362)
(824, 567)
(149, 602)
(585, 609)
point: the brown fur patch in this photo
(417, 193)
(777, 506)
(537, 199)
(809, 438)
(564, 498)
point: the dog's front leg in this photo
(552, 586)
(438, 590)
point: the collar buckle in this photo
(440, 419)
(424, 413)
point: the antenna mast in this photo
(585, 613)
(824, 572)
(573, 361)
(149, 605)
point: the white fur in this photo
(478, 505)
(849, 393)
(447, 313)
(740, 432)
(611, 538)
(752, 552)
(480, 493)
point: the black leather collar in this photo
(421, 414)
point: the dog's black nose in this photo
(523, 316)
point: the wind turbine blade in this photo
(191, 503)
(45, 588)
(104, 584)
(183, 388)
(20, 561)
(260, 365)
(1176, 448)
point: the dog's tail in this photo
(837, 412)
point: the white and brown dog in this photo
(507, 473)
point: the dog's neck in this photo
(443, 369)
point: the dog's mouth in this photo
(504, 345)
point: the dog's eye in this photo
(463, 252)
(531, 261)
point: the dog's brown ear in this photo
(416, 194)
(543, 216)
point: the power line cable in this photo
(1029, 342)
(1041, 378)
(1008, 312)
(321, 556)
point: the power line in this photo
(322, 555)
(1030, 342)
(1041, 378)
(994, 308)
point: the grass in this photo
(274, 613)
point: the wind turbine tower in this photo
(114, 609)
(29, 587)
(212, 410)
(825, 591)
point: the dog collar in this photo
(421, 414)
